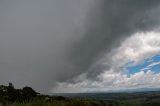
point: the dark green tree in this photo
(12, 93)
(28, 93)
(9, 93)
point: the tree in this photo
(10, 85)
(9, 93)
(28, 93)
(12, 94)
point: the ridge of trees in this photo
(9, 93)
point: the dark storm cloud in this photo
(109, 23)
(42, 42)
(34, 36)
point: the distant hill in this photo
(136, 93)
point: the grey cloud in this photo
(109, 23)
(42, 42)
(34, 36)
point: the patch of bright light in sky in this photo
(138, 55)
(152, 63)
(135, 64)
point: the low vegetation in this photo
(9, 96)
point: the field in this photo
(9, 96)
(149, 98)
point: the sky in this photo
(60, 46)
(152, 63)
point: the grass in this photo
(78, 102)
(41, 102)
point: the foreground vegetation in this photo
(9, 96)
(74, 102)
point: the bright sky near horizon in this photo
(137, 61)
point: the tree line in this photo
(9, 93)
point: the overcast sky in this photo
(77, 45)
